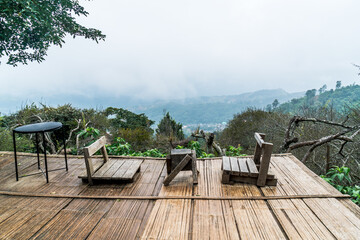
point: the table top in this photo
(39, 127)
(181, 151)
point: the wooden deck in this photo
(67, 208)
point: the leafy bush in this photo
(121, 147)
(195, 145)
(339, 178)
(139, 138)
(233, 151)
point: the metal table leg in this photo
(66, 164)
(16, 164)
(37, 149)
(46, 166)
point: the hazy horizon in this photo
(182, 49)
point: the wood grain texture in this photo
(301, 206)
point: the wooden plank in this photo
(212, 219)
(94, 147)
(165, 213)
(226, 164)
(121, 171)
(132, 170)
(100, 173)
(259, 138)
(252, 167)
(177, 169)
(194, 167)
(235, 170)
(113, 169)
(298, 220)
(244, 171)
(335, 216)
(264, 165)
(251, 180)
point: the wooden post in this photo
(194, 168)
(89, 166)
(264, 164)
(104, 153)
(168, 164)
(258, 149)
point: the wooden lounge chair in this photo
(109, 170)
(250, 170)
(181, 160)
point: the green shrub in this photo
(233, 151)
(339, 178)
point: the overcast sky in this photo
(155, 48)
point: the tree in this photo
(310, 95)
(170, 128)
(338, 84)
(122, 118)
(28, 28)
(322, 89)
(275, 103)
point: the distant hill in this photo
(338, 98)
(208, 111)
(213, 110)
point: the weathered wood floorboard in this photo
(309, 218)
(67, 218)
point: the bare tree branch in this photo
(70, 135)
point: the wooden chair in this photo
(110, 170)
(181, 160)
(248, 170)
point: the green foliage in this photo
(29, 28)
(233, 151)
(92, 124)
(200, 153)
(339, 178)
(241, 129)
(337, 99)
(139, 138)
(121, 147)
(122, 118)
(89, 132)
(150, 153)
(170, 128)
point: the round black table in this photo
(39, 128)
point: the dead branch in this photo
(70, 135)
(78, 137)
(210, 143)
(47, 137)
(291, 143)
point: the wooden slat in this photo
(100, 173)
(259, 138)
(243, 167)
(235, 170)
(113, 169)
(264, 165)
(124, 168)
(226, 164)
(196, 217)
(129, 174)
(94, 147)
(252, 167)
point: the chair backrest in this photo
(90, 150)
(262, 156)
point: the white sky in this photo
(166, 49)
